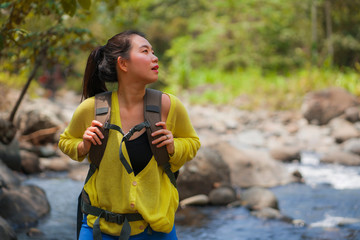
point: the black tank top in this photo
(139, 152)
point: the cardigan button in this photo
(134, 183)
(132, 205)
(141, 227)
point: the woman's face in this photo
(142, 64)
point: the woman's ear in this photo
(122, 64)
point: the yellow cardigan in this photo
(150, 192)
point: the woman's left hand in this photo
(167, 138)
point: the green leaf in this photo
(85, 4)
(69, 6)
(5, 5)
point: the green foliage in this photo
(245, 34)
(70, 6)
(251, 88)
(223, 51)
(34, 33)
(17, 81)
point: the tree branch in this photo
(31, 76)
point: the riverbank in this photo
(327, 209)
(254, 148)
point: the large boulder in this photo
(257, 198)
(320, 107)
(30, 162)
(343, 130)
(254, 168)
(10, 154)
(352, 146)
(286, 153)
(352, 114)
(22, 207)
(341, 157)
(6, 231)
(200, 174)
(8, 178)
(222, 195)
(39, 121)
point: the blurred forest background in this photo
(249, 53)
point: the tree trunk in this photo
(32, 75)
(314, 31)
(7, 127)
(330, 46)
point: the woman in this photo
(129, 60)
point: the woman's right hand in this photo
(92, 135)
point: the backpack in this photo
(152, 115)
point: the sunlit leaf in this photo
(85, 3)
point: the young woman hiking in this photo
(140, 202)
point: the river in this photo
(328, 202)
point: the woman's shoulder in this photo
(168, 99)
(89, 102)
(165, 101)
(86, 106)
(165, 106)
(171, 104)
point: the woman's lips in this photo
(155, 68)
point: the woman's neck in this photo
(130, 95)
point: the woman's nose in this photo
(155, 58)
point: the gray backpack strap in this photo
(152, 114)
(102, 114)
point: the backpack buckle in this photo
(147, 124)
(106, 125)
(114, 217)
(137, 128)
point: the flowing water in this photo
(328, 202)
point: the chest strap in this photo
(126, 137)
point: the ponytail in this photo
(92, 83)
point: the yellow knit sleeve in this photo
(72, 136)
(186, 140)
